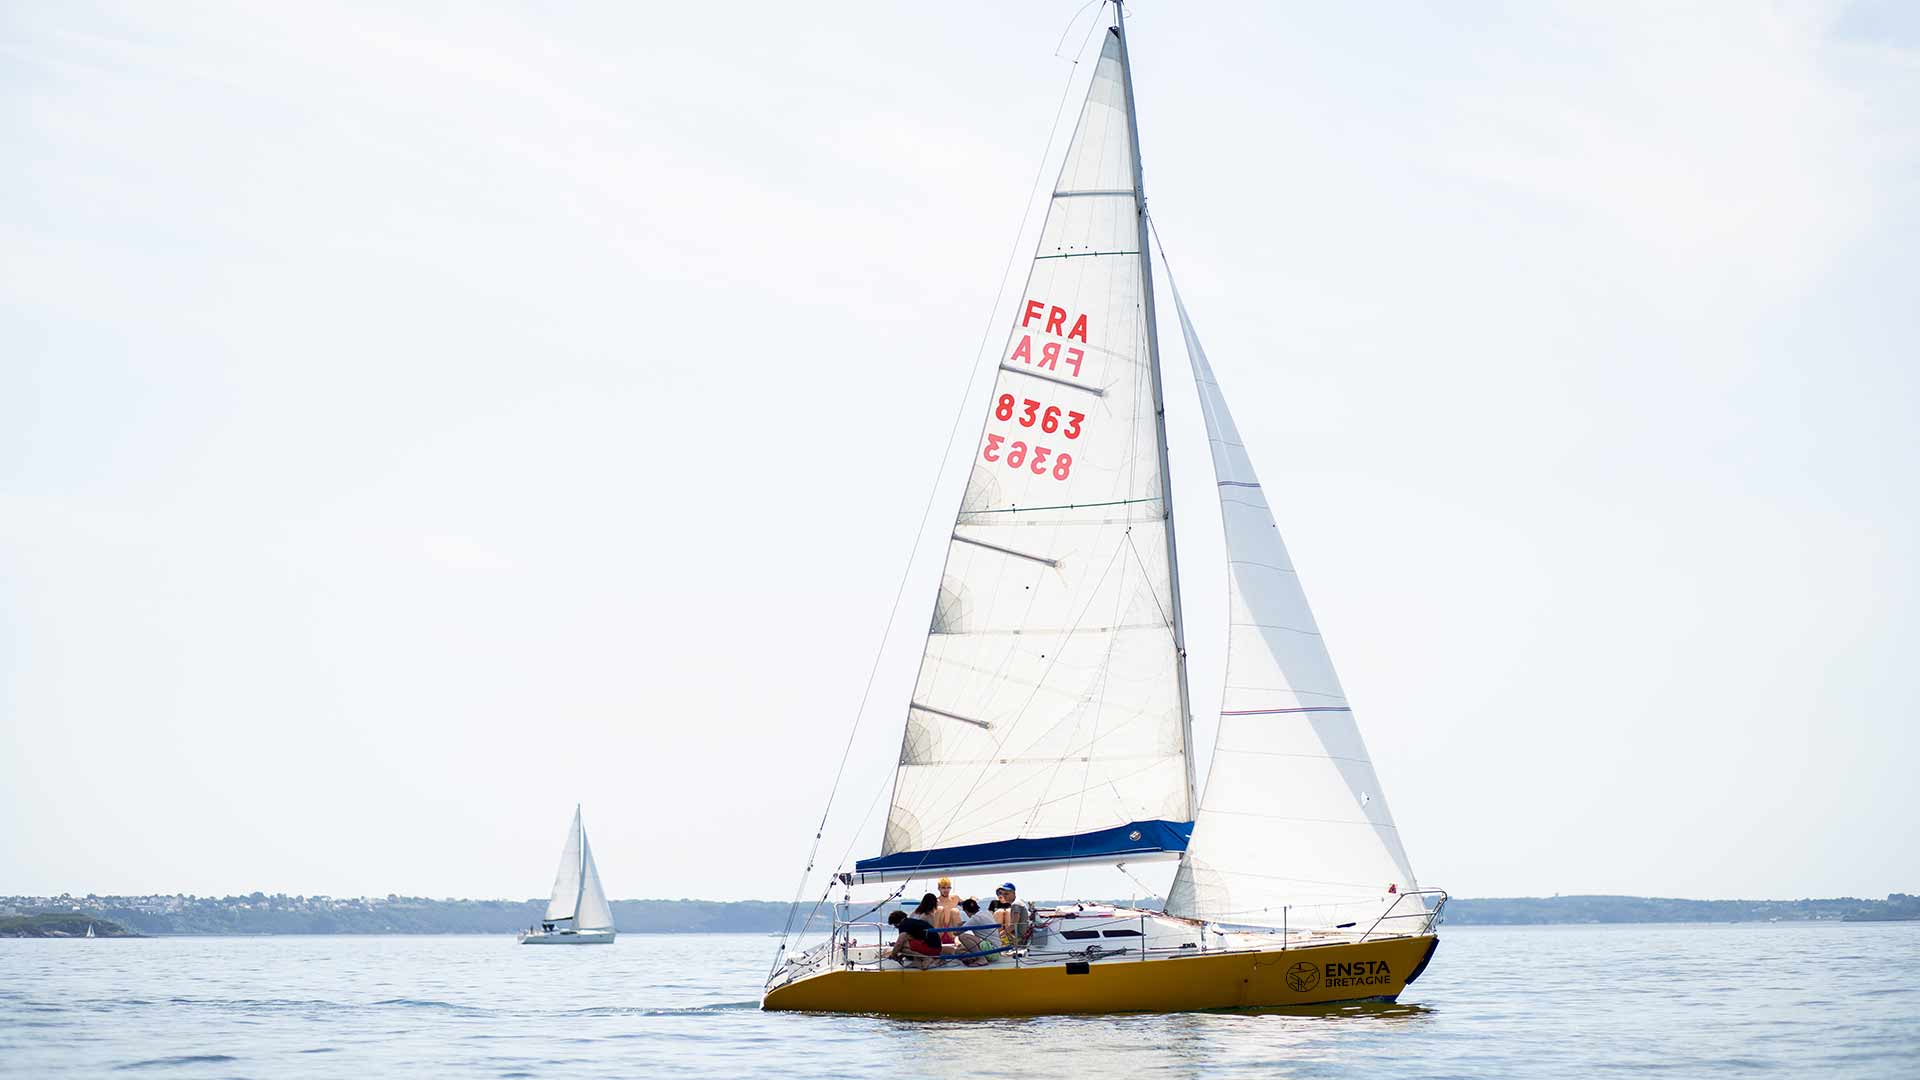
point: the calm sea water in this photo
(1685, 1001)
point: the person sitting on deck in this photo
(918, 943)
(1015, 917)
(946, 912)
(968, 940)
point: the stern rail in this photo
(1429, 914)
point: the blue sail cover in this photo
(1136, 840)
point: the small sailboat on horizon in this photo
(578, 912)
(1050, 724)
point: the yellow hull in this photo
(1268, 978)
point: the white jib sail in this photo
(1048, 701)
(594, 913)
(566, 882)
(1293, 828)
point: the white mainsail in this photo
(566, 881)
(1294, 829)
(577, 894)
(1048, 722)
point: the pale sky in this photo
(417, 419)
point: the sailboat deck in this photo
(1080, 934)
(1107, 961)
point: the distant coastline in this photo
(259, 913)
(1537, 911)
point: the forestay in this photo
(1293, 829)
(1046, 726)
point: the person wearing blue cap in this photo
(1014, 916)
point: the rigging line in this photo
(1142, 771)
(1068, 29)
(878, 791)
(864, 818)
(1013, 257)
(1059, 647)
(1307, 820)
(1165, 619)
(1067, 756)
(1276, 626)
(1188, 339)
(1024, 706)
(1106, 671)
(1062, 506)
(1303, 757)
(1285, 690)
(1263, 565)
(1146, 889)
(1079, 810)
(1298, 880)
(1099, 706)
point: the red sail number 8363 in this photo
(1017, 453)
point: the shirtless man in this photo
(947, 913)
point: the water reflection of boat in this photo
(1050, 724)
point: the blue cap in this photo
(1008, 885)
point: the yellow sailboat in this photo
(1050, 724)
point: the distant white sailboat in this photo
(89, 929)
(578, 913)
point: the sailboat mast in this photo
(1159, 404)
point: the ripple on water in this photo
(183, 1059)
(413, 1003)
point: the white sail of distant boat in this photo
(577, 912)
(89, 929)
(1050, 721)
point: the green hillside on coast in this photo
(60, 926)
